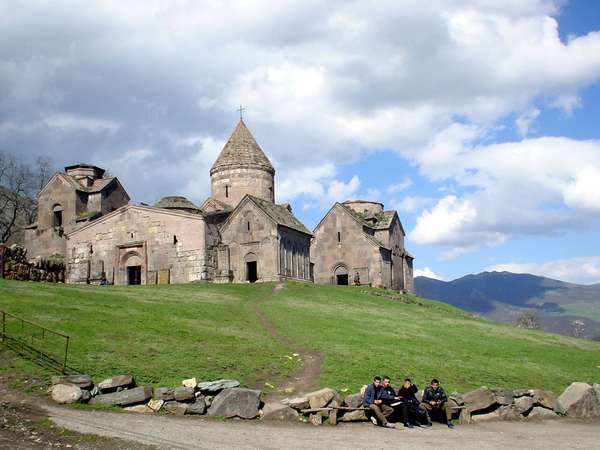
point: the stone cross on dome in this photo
(241, 111)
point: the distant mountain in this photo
(504, 296)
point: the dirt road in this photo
(193, 433)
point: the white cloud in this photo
(339, 191)
(426, 272)
(400, 186)
(584, 191)
(413, 203)
(525, 120)
(582, 270)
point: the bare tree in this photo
(527, 319)
(19, 185)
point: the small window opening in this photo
(132, 235)
(174, 239)
(57, 217)
(248, 226)
(226, 191)
(339, 237)
(91, 249)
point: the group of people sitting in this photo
(386, 404)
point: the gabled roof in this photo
(279, 214)
(220, 206)
(383, 221)
(242, 150)
(98, 185)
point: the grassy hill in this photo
(162, 334)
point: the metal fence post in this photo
(64, 368)
(3, 325)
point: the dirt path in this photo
(193, 433)
(304, 379)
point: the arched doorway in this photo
(340, 275)
(251, 264)
(132, 261)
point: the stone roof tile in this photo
(241, 150)
(280, 214)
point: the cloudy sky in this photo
(478, 122)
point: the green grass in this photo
(163, 334)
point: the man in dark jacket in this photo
(372, 400)
(435, 401)
(389, 397)
(407, 395)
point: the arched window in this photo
(57, 216)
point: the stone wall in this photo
(14, 265)
(231, 185)
(353, 251)
(170, 247)
(250, 236)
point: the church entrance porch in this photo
(340, 275)
(134, 275)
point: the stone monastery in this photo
(239, 233)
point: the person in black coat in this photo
(435, 400)
(415, 410)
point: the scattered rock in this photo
(544, 398)
(85, 396)
(580, 400)
(95, 391)
(297, 402)
(236, 402)
(66, 393)
(509, 412)
(198, 407)
(114, 383)
(156, 405)
(170, 406)
(539, 412)
(208, 400)
(354, 416)
(214, 387)
(321, 398)
(181, 409)
(190, 383)
(140, 409)
(353, 400)
(524, 404)
(458, 398)
(316, 419)
(494, 415)
(164, 393)
(124, 398)
(523, 393)
(184, 394)
(503, 396)
(82, 381)
(479, 399)
(278, 411)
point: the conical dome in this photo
(242, 150)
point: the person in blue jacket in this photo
(372, 400)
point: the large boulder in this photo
(278, 411)
(124, 398)
(353, 400)
(114, 383)
(139, 409)
(214, 387)
(66, 393)
(184, 394)
(479, 399)
(297, 402)
(539, 412)
(544, 398)
(197, 407)
(579, 400)
(236, 402)
(164, 393)
(82, 381)
(524, 404)
(503, 396)
(321, 398)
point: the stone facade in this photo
(140, 245)
(358, 237)
(68, 201)
(238, 234)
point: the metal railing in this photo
(44, 346)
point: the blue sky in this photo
(476, 120)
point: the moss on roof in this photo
(177, 202)
(280, 214)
